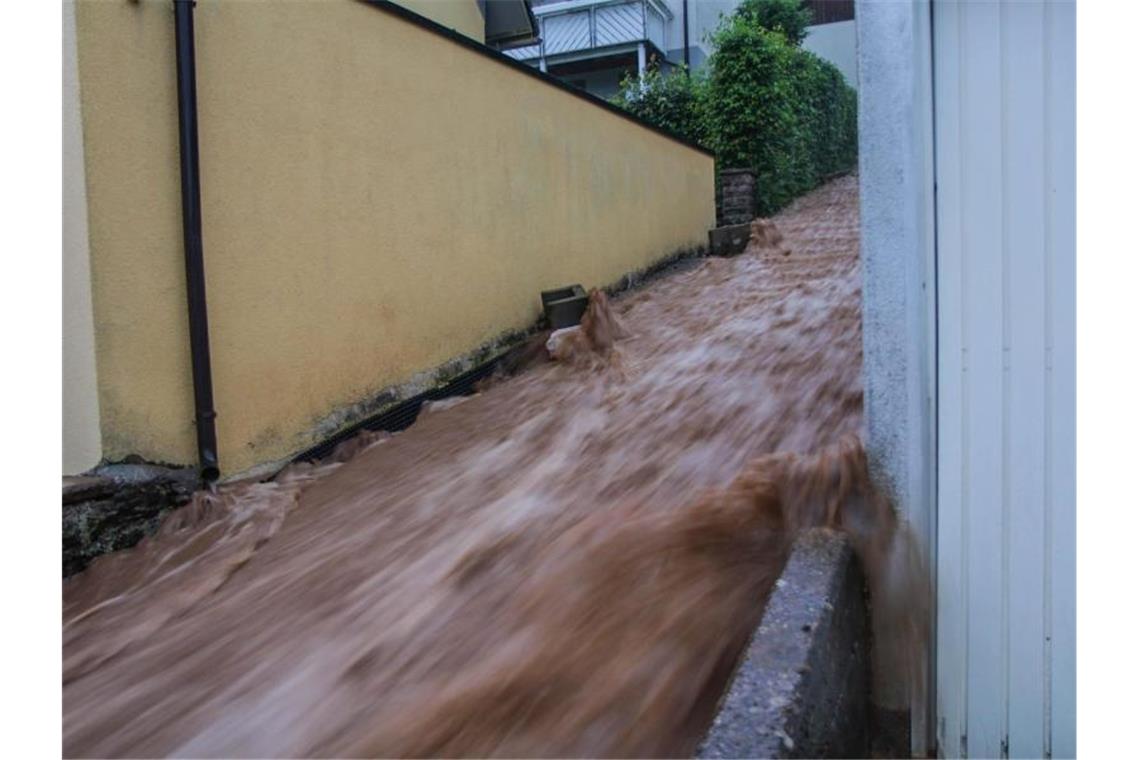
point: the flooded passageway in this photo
(564, 564)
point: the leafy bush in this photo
(761, 103)
(787, 17)
(779, 110)
(751, 114)
(672, 101)
(826, 113)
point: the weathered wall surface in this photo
(81, 445)
(376, 200)
(897, 245)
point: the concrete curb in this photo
(802, 688)
(116, 507)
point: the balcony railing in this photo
(576, 26)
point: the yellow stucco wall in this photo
(463, 16)
(376, 200)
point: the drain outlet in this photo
(564, 307)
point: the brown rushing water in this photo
(565, 565)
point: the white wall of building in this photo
(82, 446)
(704, 18)
(835, 43)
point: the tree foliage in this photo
(787, 17)
(761, 103)
(673, 101)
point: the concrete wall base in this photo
(890, 732)
(802, 688)
(117, 507)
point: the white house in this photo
(593, 44)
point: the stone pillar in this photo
(736, 197)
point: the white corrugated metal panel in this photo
(566, 32)
(1004, 97)
(619, 23)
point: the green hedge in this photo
(673, 101)
(761, 103)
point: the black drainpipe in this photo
(685, 32)
(192, 239)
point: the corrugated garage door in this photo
(1004, 93)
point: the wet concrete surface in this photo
(566, 564)
(803, 686)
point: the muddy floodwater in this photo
(566, 564)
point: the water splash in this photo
(566, 564)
